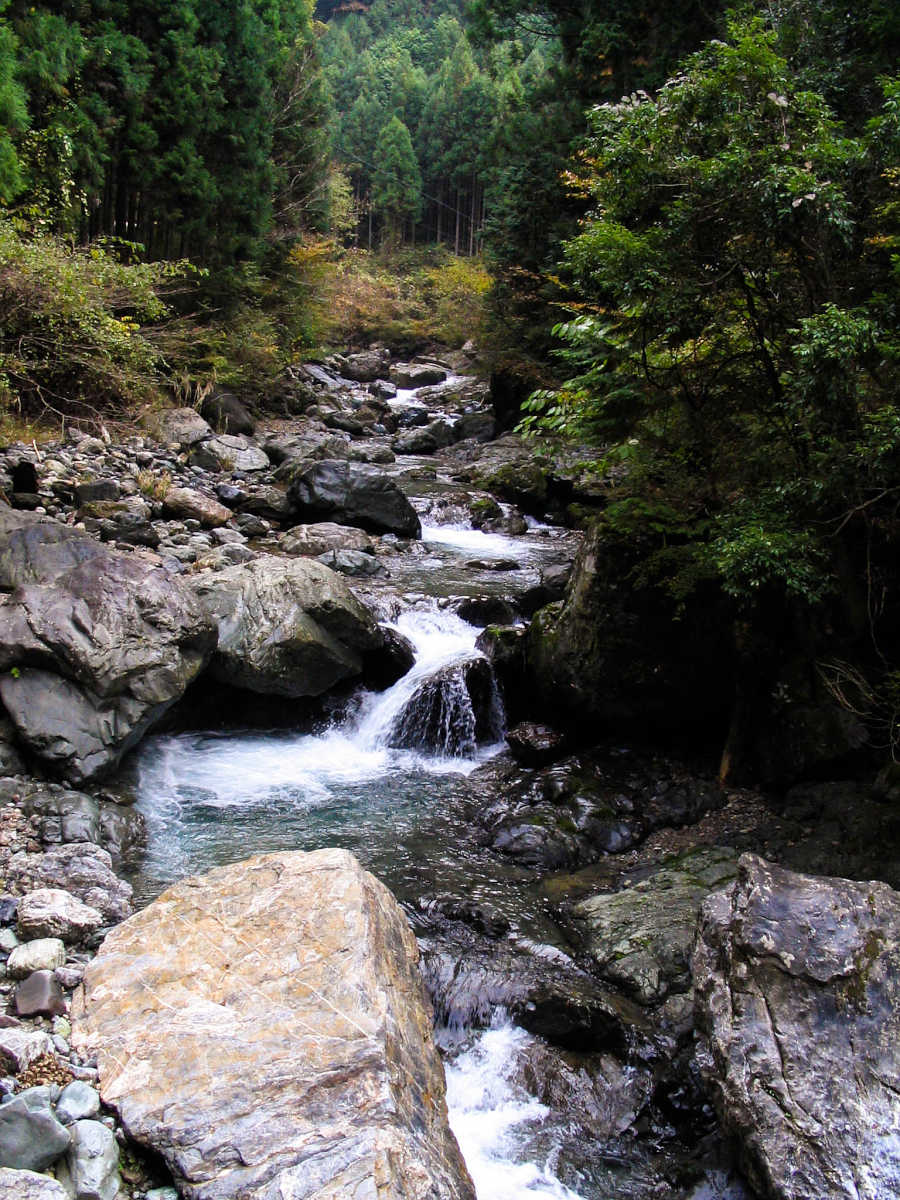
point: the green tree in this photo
(397, 181)
(13, 114)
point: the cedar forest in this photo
(674, 233)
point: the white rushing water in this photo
(474, 541)
(491, 1116)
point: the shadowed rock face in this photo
(353, 494)
(95, 645)
(265, 1029)
(798, 1005)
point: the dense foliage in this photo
(190, 127)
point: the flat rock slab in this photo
(797, 982)
(265, 1028)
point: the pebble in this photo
(43, 954)
(77, 1101)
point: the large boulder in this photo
(416, 375)
(287, 627)
(95, 645)
(265, 1029)
(229, 452)
(353, 494)
(182, 426)
(798, 1007)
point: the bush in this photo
(74, 337)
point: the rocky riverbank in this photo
(218, 572)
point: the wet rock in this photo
(384, 666)
(451, 711)
(43, 954)
(10, 759)
(227, 414)
(797, 1008)
(535, 745)
(523, 483)
(95, 646)
(29, 1185)
(383, 389)
(641, 938)
(229, 452)
(353, 494)
(54, 913)
(77, 1102)
(20, 1047)
(287, 627)
(313, 540)
(411, 416)
(83, 869)
(92, 1162)
(481, 426)
(338, 1091)
(30, 1139)
(597, 1090)
(417, 375)
(183, 426)
(189, 503)
(40, 995)
(485, 610)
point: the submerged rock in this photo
(265, 1029)
(798, 1008)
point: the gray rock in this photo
(83, 869)
(43, 954)
(70, 816)
(77, 1102)
(415, 441)
(366, 366)
(353, 494)
(19, 1047)
(54, 913)
(352, 562)
(229, 452)
(798, 1012)
(416, 375)
(287, 627)
(95, 646)
(189, 503)
(28, 1185)
(96, 489)
(182, 425)
(92, 1162)
(10, 759)
(40, 995)
(313, 540)
(30, 1139)
(482, 426)
(641, 938)
(227, 413)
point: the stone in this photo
(30, 1139)
(77, 1102)
(188, 502)
(29, 1185)
(85, 869)
(54, 913)
(183, 426)
(287, 627)
(96, 489)
(366, 366)
(534, 744)
(70, 816)
(43, 954)
(481, 426)
(798, 1015)
(313, 540)
(279, 1043)
(641, 937)
(95, 645)
(416, 375)
(352, 562)
(92, 1162)
(229, 452)
(226, 412)
(19, 1047)
(40, 995)
(415, 441)
(353, 494)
